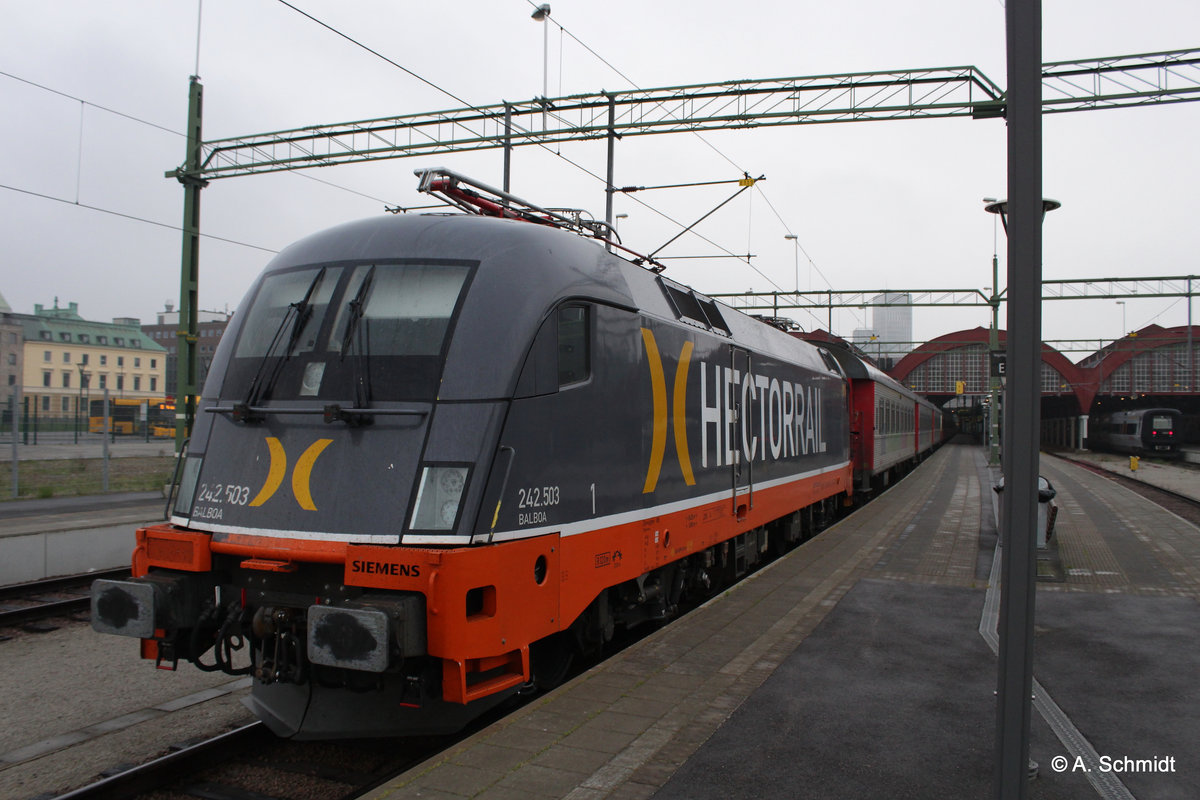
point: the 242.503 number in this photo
(538, 497)
(226, 493)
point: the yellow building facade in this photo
(69, 361)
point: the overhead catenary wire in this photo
(529, 135)
(710, 145)
(562, 30)
(133, 217)
(779, 217)
(167, 129)
(524, 132)
(132, 118)
(89, 103)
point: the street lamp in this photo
(796, 241)
(994, 343)
(542, 15)
(1000, 209)
(81, 405)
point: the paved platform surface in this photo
(860, 667)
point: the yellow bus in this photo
(126, 416)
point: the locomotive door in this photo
(742, 404)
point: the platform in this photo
(43, 538)
(860, 666)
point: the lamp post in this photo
(795, 241)
(994, 348)
(1121, 303)
(1000, 209)
(542, 15)
(82, 404)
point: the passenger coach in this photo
(891, 427)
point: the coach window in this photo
(573, 347)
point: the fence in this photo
(46, 455)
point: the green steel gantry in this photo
(1154, 78)
(1068, 289)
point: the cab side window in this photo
(574, 362)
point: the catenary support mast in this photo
(189, 278)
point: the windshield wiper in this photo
(362, 362)
(298, 314)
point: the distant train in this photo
(1147, 431)
(439, 456)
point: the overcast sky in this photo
(874, 205)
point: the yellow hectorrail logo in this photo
(300, 475)
(678, 414)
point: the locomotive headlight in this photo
(439, 496)
(449, 512)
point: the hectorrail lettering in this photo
(757, 417)
(744, 417)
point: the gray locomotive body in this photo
(438, 455)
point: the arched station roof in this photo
(935, 368)
(1152, 361)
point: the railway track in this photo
(251, 763)
(1181, 505)
(183, 760)
(25, 603)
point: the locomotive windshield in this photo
(347, 332)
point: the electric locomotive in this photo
(437, 456)
(1144, 431)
